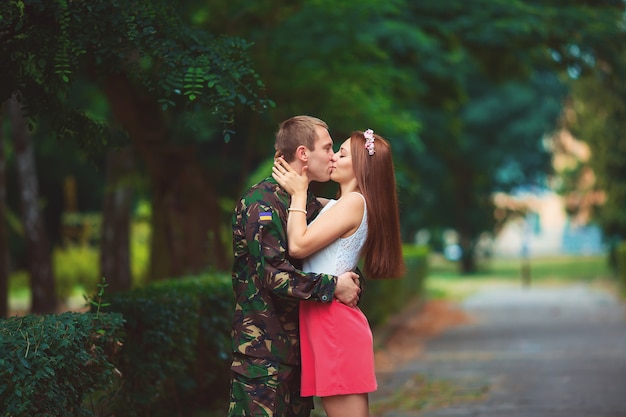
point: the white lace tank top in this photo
(341, 255)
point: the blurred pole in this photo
(526, 272)
(525, 253)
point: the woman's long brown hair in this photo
(376, 179)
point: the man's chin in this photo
(322, 178)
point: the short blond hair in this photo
(296, 131)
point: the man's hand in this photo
(347, 289)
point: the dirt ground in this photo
(403, 338)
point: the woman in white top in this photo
(336, 340)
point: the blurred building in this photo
(555, 221)
(546, 228)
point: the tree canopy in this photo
(465, 92)
(599, 118)
(49, 46)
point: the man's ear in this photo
(302, 153)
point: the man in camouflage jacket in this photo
(268, 284)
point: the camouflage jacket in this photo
(268, 285)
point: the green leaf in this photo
(24, 361)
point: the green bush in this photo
(140, 251)
(383, 298)
(75, 265)
(19, 281)
(49, 365)
(78, 265)
(177, 346)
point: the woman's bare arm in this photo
(341, 220)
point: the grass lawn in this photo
(444, 280)
(20, 299)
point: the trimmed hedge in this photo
(176, 354)
(174, 358)
(384, 298)
(50, 365)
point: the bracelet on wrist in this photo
(297, 209)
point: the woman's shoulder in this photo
(357, 193)
(356, 198)
(353, 199)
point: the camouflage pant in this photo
(262, 389)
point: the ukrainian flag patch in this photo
(265, 216)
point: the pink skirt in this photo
(337, 350)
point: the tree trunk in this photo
(185, 208)
(179, 218)
(212, 212)
(44, 300)
(4, 239)
(468, 257)
(185, 216)
(464, 227)
(116, 220)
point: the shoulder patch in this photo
(265, 216)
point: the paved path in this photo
(538, 352)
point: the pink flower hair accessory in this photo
(369, 141)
